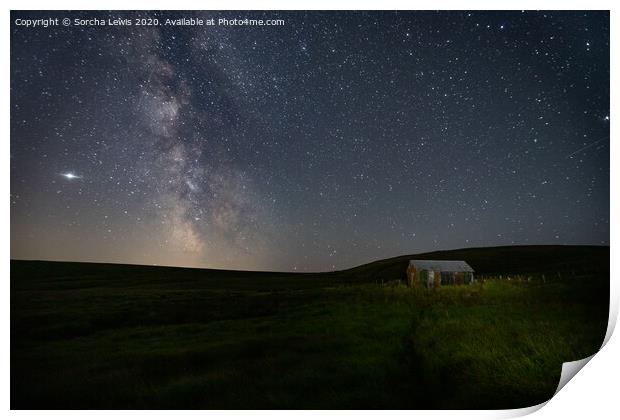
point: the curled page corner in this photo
(569, 370)
(521, 412)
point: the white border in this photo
(593, 393)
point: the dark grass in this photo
(117, 336)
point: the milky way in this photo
(332, 140)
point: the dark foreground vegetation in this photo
(119, 336)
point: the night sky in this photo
(336, 139)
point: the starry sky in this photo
(332, 140)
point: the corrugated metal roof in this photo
(438, 265)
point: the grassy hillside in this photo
(505, 260)
(120, 336)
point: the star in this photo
(71, 175)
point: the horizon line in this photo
(305, 272)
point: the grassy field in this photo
(118, 336)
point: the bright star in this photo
(71, 175)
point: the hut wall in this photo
(412, 276)
(431, 278)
